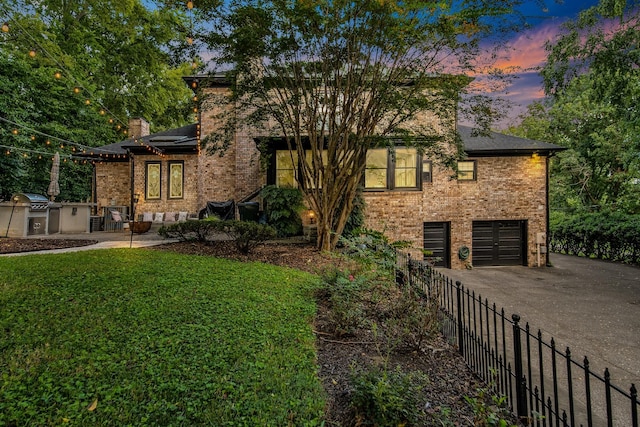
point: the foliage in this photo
(331, 79)
(200, 231)
(607, 235)
(489, 410)
(130, 337)
(372, 247)
(384, 397)
(355, 220)
(343, 291)
(246, 234)
(283, 206)
(118, 54)
(592, 78)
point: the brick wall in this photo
(507, 188)
(188, 203)
(112, 184)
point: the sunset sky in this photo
(529, 50)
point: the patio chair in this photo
(114, 220)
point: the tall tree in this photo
(336, 78)
(94, 65)
(592, 75)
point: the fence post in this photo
(521, 382)
(459, 298)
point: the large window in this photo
(467, 170)
(286, 169)
(176, 180)
(375, 175)
(391, 170)
(406, 168)
(153, 177)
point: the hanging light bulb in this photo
(33, 137)
(102, 112)
(87, 101)
(189, 40)
(15, 131)
(5, 27)
(32, 53)
(194, 85)
(48, 142)
(57, 75)
(194, 65)
(76, 89)
(195, 99)
(110, 120)
(189, 4)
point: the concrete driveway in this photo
(591, 306)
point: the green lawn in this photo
(144, 337)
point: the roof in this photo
(499, 144)
(184, 140)
(176, 141)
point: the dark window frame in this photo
(391, 174)
(475, 171)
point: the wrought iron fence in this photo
(542, 385)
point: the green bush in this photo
(371, 247)
(282, 207)
(343, 291)
(246, 234)
(191, 230)
(605, 235)
(386, 398)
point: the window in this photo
(406, 168)
(386, 170)
(426, 171)
(286, 169)
(375, 175)
(308, 159)
(153, 177)
(176, 180)
(467, 170)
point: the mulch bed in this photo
(449, 378)
(12, 245)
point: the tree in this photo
(120, 55)
(334, 79)
(592, 75)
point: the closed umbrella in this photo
(54, 186)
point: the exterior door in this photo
(499, 243)
(437, 240)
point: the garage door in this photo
(437, 241)
(499, 242)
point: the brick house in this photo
(495, 212)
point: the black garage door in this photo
(499, 242)
(437, 241)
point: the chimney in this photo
(138, 127)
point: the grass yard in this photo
(133, 337)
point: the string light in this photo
(189, 5)
(32, 53)
(5, 27)
(57, 75)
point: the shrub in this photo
(282, 207)
(386, 398)
(412, 319)
(356, 218)
(372, 247)
(246, 234)
(343, 292)
(191, 230)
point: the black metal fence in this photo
(542, 385)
